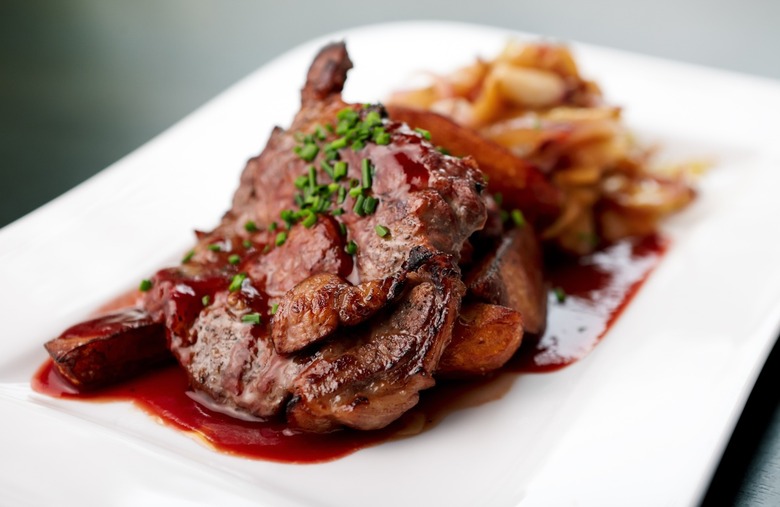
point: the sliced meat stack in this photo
(330, 292)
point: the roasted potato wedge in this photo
(484, 339)
(511, 276)
(108, 349)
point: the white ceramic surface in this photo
(641, 421)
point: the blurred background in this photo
(84, 82)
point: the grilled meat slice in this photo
(316, 307)
(278, 320)
(365, 378)
(326, 321)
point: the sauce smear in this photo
(163, 393)
(596, 287)
(587, 296)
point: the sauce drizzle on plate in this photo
(597, 288)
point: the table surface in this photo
(84, 82)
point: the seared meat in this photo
(314, 308)
(367, 377)
(278, 319)
(329, 293)
(506, 297)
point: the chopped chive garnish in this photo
(343, 228)
(338, 211)
(274, 308)
(351, 248)
(312, 178)
(517, 217)
(342, 196)
(319, 132)
(145, 285)
(382, 231)
(273, 227)
(205, 300)
(354, 183)
(301, 181)
(310, 220)
(355, 192)
(339, 143)
(247, 243)
(250, 226)
(236, 282)
(327, 168)
(281, 238)
(215, 247)
(369, 206)
(266, 249)
(288, 216)
(372, 119)
(347, 114)
(442, 150)
(560, 294)
(339, 170)
(358, 145)
(234, 259)
(343, 128)
(424, 133)
(324, 205)
(499, 198)
(308, 152)
(366, 169)
(188, 257)
(381, 137)
(358, 209)
(316, 202)
(251, 318)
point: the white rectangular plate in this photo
(641, 421)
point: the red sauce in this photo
(593, 290)
(163, 393)
(597, 288)
(415, 171)
(406, 158)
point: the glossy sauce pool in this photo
(591, 293)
